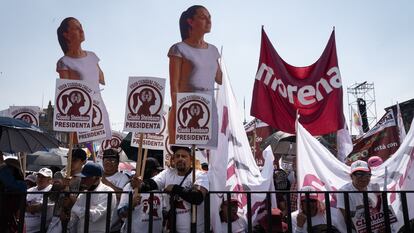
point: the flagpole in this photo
(69, 163)
(144, 162)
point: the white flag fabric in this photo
(233, 159)
(344, 143)
(317, 167)
(401, 128)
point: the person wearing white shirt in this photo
(316, 211)
(141, 204)
(34, 201)
(91, 181)
(114, 179)
(183, 190)
(361, 177)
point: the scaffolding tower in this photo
(366, 92)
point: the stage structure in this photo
(361, 96)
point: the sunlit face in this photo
(110, 165)
(182, 160)
(74, 33)
(201, 21)
(361, 179)
(42, 181)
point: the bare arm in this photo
(175, 73)
(219, 75)
(101, 76)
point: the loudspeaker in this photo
(362, 107)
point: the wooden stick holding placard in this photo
(138, 165)
(144, 162)
(193, 207)
(69, 163)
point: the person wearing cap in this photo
(183, 191)
(140, 203)
(34, 201)
(78, 160)
(237, 224)
(316, 210)
(30, 180)
(91, 175)
(71, 184)
(361, 177)
(114, 179)
(57, 186)
(374, 161)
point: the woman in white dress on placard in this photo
(79, 64)
(194, 64)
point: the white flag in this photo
(317, 167)
(233, 159)
(344, 143)
(400, 122)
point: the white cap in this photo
(360, 165)
(309, 189)
(46, 172)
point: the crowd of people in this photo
(171, 207)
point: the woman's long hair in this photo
(64, 25)
(188, 14)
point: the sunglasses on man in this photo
(362, 174)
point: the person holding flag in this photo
(194, 64)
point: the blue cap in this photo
(91, 169)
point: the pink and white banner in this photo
(257, 131)
(73, 106)
(317, 167)
(144, 104)
(30, 114)
(194, 118)
(234, 160)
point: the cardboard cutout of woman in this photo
(79, 64)
(194, 65)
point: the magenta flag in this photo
(315, 92)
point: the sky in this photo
(374, 42)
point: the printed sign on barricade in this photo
(73, 106)
(377, 218)
(30, 114)
(99, 131)
(143, 112)
(193, 119)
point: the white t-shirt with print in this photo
(140, 214)
(118, 179)
(183, 208)
(33, 220)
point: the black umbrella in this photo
(19, 136)
(285, 143)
